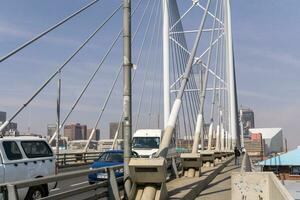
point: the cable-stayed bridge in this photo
(163, 64)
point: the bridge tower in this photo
(149, 175)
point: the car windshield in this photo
(146, 142)
(111, 157)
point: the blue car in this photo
(106, 159)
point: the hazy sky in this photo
(266, 41)
(267, 53)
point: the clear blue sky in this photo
(266, 36)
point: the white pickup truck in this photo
(24, 158)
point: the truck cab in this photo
(24, 158)
(146, 142)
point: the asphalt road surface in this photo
(77, 182)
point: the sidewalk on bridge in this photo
(220, 187)
(189, 188)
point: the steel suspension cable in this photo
(174, 58)
(217, 68)
(190, 84)
(59, 70)
(179, 72)
(155, 65)
(147, 69)
(159, 96)
(188, 100)
(177, 104)
(117, 75)
(203, 91)
(89, 81)
(48, 30)
(114, 82)
(138, 61)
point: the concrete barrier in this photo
(246, 163)
(257, 185)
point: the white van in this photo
(146, 142)
(24, 158)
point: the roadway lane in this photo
(74, 183)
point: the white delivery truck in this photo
(146, 142)
(25, 158)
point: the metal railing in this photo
(74, 159)
(10, 190)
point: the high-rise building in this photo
(2, 116)
(113, 127)
(75, 131)
(51, 128)
(247, 117)
(96, 135)
(273, 138)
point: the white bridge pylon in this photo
(198, 51)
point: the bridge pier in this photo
(148, 177)
(191, 164)
(208, 158)
(218, 157)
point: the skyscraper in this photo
(75, 131)
(247, 117)
(2, 116)
(96, 134)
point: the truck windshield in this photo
(36, 149)
(146, 142)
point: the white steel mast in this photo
(233, 117)
(166, 61)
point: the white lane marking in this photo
(79, 183)
(54, 189)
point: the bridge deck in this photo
(189, 188)
(220, 187)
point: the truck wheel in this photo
(36, 192)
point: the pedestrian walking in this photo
(237, 154)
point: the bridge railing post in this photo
(64, 160)
(113, 190)
(174, 168)
(12, 193)
(84, 157)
